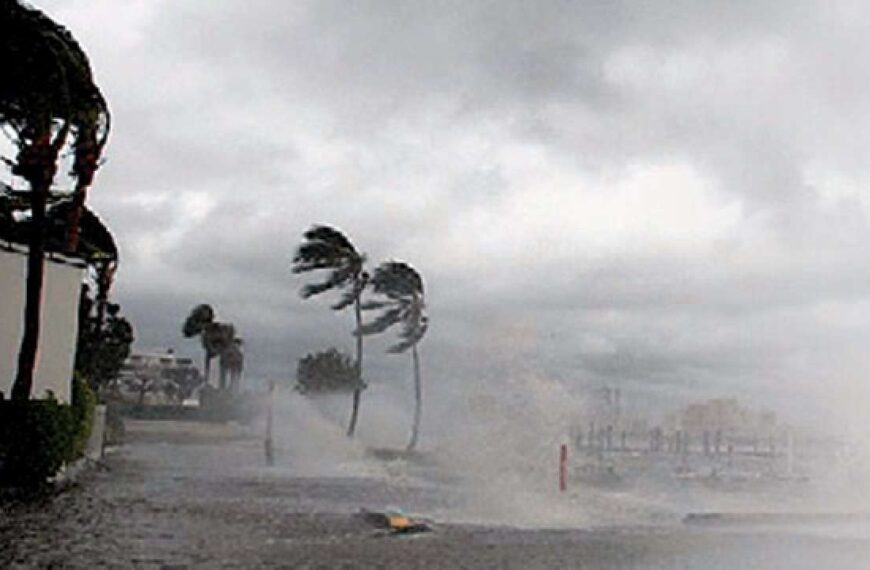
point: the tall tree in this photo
(216, 337)
(403, 303)
(327, 248)
(232, 360)
(47, 95)
(195, 324)
(222, 337)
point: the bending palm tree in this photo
(213, 335)
(405, 304)
(327, 248)
(47, 94)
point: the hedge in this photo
(38, 437)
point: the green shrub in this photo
(83, 403)
(39, 436)
(36, 439)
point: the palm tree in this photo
(327, 248)
(216, 337)
(222, 337)
(404, 304)
(195, 324)
(47, 94)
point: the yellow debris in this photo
(398, 522)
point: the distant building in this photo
(158, 377)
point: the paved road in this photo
(197, 496)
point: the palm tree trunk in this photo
(351, 429)
(222, 373)
(37, 163)
(207, 368)
(86, 153)
(418, 400)
(23, 386)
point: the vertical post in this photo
(269, 447)
(563, 467)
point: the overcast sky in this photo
(666, 196)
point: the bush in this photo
(36, 439)
(39, 436)
(83, 403)
(327, 371)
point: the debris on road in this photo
(395, 522)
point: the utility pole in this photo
(268, 445)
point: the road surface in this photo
(187, 495)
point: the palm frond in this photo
(397, 279)
(318, 255)
(329, 235)
(373, 305)
(337, 278)
(325, 247)
(217, 337)
(401, 288)
(412, 333)
(198, 318)
(347, 299)
(384, 321)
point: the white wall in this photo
(57, 338)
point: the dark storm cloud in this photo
(664, 193)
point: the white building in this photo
(158, 377)
(55, 357)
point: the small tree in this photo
(180, 382)
(327, 248)
(403, 303)
(325, 372)
(145, 380)
(102, 346)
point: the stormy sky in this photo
(670, 197)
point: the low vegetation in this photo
(38, 437)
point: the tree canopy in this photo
(46, 78)
(326, 371)
(95, 245)
(102, 348)
(401, 288)
(325, 247)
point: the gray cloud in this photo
(666, 194)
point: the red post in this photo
(563, 467)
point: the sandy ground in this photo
(181, 495)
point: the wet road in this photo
(198, 496)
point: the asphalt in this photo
(185, 495)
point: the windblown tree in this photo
(216, 338)
(228, 354)
(325, 248)
(48, 99)
(402, 303)
(232, 362)
(327, 371)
